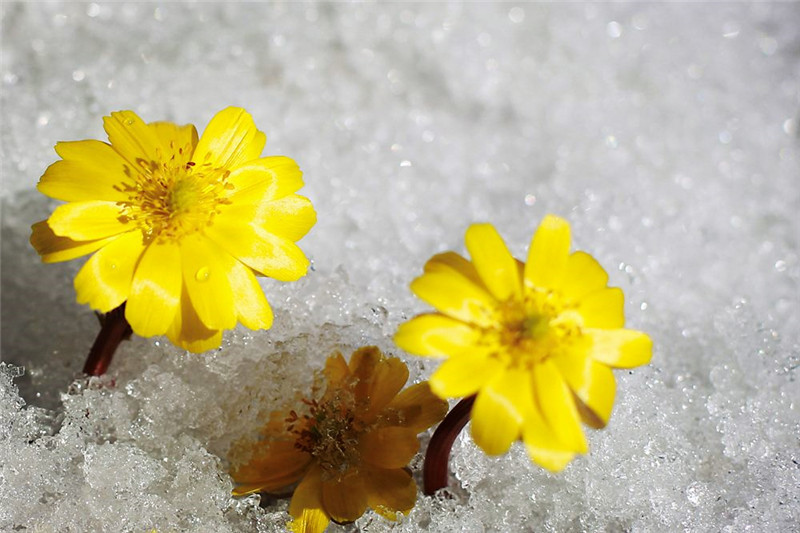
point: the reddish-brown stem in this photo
(437, 458)
(114, 330)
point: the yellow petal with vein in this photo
(89, 170)
(463, 375)
(603, 309)
(548, 253)
(453, 263)
(379, 379)
(188, 331)
(276, 464)
(592, 383)
(494, 263)
(416, 408)
(132, 139)
(619, 348)
(306, 505)
(557, 405)
(499, 410)
(53, 248)
(177, 142)
(389, 447)
(85, 221)
(436, 335)
(264, 252)
(456, 296)
(543, 446)
(206, 270)
(230, 139)
(155, 291)
(250, 304)
(290, 217)
(104, 281)
(264, 179)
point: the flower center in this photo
(330, 433)
(171, 200)
(531, 330)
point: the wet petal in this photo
(85, 221)
(463, 375)
(89, 170)
(206, 270)
(230, 139)
(53, 248)
(389, 447)
(390, 492)
(435, 334)
(499, 410)
(132, 138)
(603, 309)
(104, 281)
(494, 263)
(345, 500)
(548, 253)
(619, 348)
(306, 505)
(155, 291)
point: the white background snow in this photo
(666, 133)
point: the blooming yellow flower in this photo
(347, 446)
(536, 341)
(179, 226)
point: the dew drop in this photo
(202, 274)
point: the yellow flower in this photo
(536, 341)
(348, 446)
(179, 226)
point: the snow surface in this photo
(666, 134)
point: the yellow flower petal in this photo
(336, 369)
(89, 170)
(416, 408)
(264, 179)
(104, 281)
(132, 139)
(389, 447)
(306, 505)
(289, 217)
(557, 405)
(205, 274)
(85, 221)
(603, 309)
(249, 302)
(264, 252)
(155, 291)
(592, 382)
(379, 379)
(463, 375)
(177, 142)
(583, 275)
(277, 464)
(53, 248)
(494, 263)
(453, 263)
(499, 410)
(455, 296)
(345, 500)
(390, 492)
(538, 438)
(188, 331)
(548, 253)
(229, 140)
(619, 348)
(435, 334)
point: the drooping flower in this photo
(348, 444)
(178, 226)
(535, 342)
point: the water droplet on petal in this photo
(202, 274)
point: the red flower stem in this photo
(114, 330)
(437, 457)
